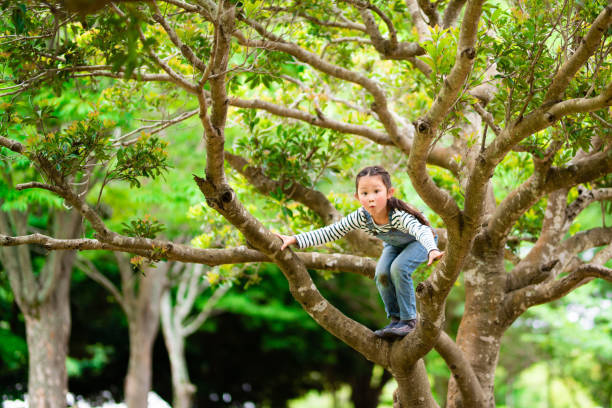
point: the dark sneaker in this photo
(380, 332)
(401, 329)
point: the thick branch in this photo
(434, 197)
(532, 270)
(224, 26)
(418, 21)
(552, 290)
(389, 49)
(526, 195)
(211, 257)
(471, 391)
(541, 119)
(585, 198)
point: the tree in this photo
(140, 298)
(524, 93)
(178, 324)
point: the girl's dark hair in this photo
(392, 202)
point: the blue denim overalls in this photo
(401, 255)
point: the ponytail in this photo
(396, 203)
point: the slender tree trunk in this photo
(138, 379)
(182, 389)
(47, 332)
(143, 320)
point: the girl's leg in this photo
(402, 268)
(384, 282)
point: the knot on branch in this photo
(422, 126)
(217, 197)
(470, 53)
(7, 240)
(424, 289)
(548, 266)
(549, 117)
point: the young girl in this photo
(408, 241)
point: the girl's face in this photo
(373, 195)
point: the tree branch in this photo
(430, 11)
(586, 197)
(184, 48)
(176, 77)
(323, 122)
(453, 9)
(206, 311)
(488, 118)
(552, 290)
(437, 199)
(90, 270)
(468, 383)
(273, 42)
(526, 195)
(211, 257)
(43, 186)
(586, 49)
(11, 145)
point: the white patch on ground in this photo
(153, 401)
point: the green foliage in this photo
(145, 158)
(143, 228)
(438, 57)
(69, 150)
(291, 152)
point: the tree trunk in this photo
(182, 389)
(138, 379)
(480, 330)
(143, 320)
(413, 389)
(47, 332)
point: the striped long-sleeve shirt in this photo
(400, 220)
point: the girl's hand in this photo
(287, 240)
(434, 255)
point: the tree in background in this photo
(524, 93)
(178, 323)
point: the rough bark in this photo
(47, 334)
(143, 322)
(44, 300)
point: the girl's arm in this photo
(287, 240)
(326, 234)
(406, 222)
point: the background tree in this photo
(539, 81)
